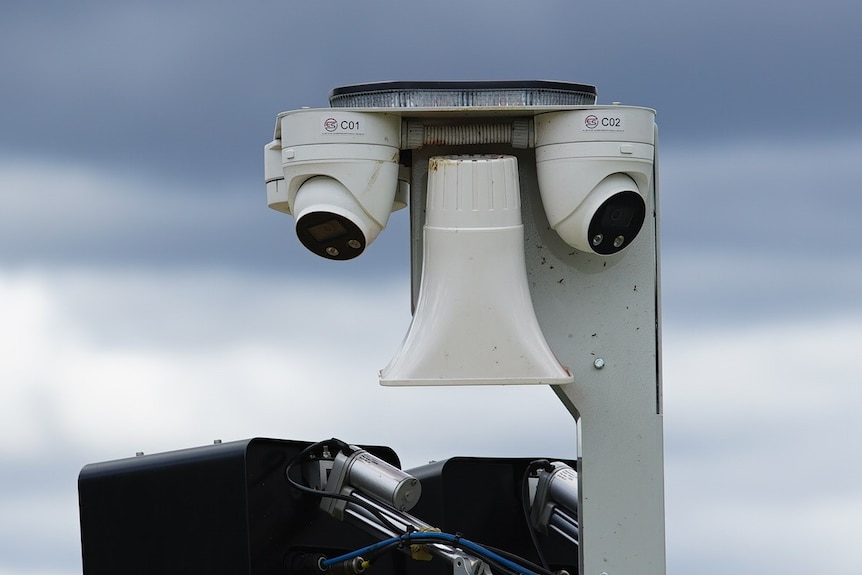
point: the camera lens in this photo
(327, 230)
(617, 222)
(329, 235)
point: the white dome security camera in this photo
(337, 173)
(595, 169)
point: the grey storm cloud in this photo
(176, 100)
(193, 88)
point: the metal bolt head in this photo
(599, 363)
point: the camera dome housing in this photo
(608, 219)
(337, 173)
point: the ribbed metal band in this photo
(533, 93)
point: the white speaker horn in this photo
(474, 322)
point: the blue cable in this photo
(420, 536)
(359, 552)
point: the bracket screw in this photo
(599, 363)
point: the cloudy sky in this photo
(149, 300)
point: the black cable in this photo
(377, 553)
(334, 495)
(302, 455)
(529, 565)
(518, 559)
(525, 504)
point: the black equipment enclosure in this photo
(219, 509)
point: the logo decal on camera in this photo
(343, 125)
(604, 123)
